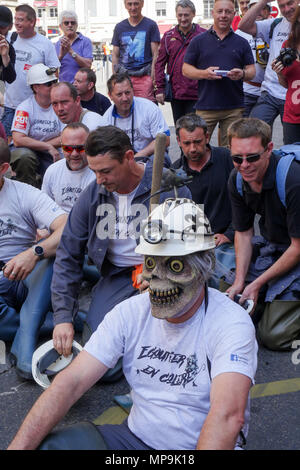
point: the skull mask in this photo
(174, 285)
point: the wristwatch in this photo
(38, 250)
(74, 55)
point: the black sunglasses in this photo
(48, 84)
(251, 158)
(72, 23)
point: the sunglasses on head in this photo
(48, 84)
(71, 148)
(72, 23)
(251, 158)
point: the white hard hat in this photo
(41, 73)
(47, 362)
(177, 227)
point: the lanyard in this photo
(132, 128)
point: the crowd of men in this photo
(76, 179)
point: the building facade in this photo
(97, 18)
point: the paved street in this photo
(275, 421)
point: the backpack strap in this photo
(281, 174)
(273, 26)
(287, 154)
(239, 183)
(82, 114)
(13, 37)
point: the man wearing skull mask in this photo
(180, 361)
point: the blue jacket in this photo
(80, 235)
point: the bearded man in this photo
(184, 347)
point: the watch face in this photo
(39, 250)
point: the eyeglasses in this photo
(71, 148)
(251, 158)
(49, 84)
(72, 23)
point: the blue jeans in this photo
(268, 108)
(7, 119)
(23, 327)
(249, 103)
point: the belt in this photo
(254, 84)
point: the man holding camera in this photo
(274, 32)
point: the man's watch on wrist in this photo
(38, 250)
(74, 55)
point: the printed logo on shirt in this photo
(296, 94)
(188, 366)
(7, 227)
(70, 194)
(237, 358)
(27, 67)
(21, 120)
(134, 46)
(23, 56)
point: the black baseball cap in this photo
(6, 18)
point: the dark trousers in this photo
(182, 107)
(291, 133)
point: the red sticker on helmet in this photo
(21, 120)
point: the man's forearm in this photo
(50, 244)
(68, 386)
(50, 408)
(115, 56)
(33, 144)
(219, 433)
(192, 72)
(248, 22)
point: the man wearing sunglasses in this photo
(73, 49)
(65, 180)
(31, 48)
(267, 266)
(36, 128)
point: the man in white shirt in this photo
(65, 180)
(36, 129)
(25, 276)
(274, 32)
(141, 119)
(67, 106)
(189, 353)
(31, 48)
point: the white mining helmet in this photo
(177, 227)
(40, 73)
(47, 362)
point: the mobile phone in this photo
(222, 73)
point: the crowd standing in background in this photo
(76, 170)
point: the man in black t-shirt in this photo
(85, 84)
(268, 270)
(210, 168)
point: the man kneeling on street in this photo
(104, 220)
(267, 267)
(25, 279)
(189, 352)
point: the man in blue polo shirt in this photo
(220, 95)
(73, 49)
